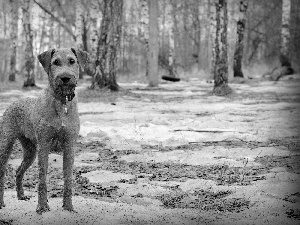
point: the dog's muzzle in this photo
(65, 85)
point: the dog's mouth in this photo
(65, 91)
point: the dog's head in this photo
(62, 67)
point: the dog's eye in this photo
(56, 62)
(72, 61)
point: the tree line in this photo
(217, 39)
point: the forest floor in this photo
(174, 155)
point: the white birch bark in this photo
(221, 87)
(13, 37)
(94, 12)
(153, 44)
(79, 24)
(29, 59)
(285, 33)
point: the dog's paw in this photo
(2, 205)
(24, 197)
(42, 208)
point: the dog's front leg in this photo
(68, 161)
(43, 155)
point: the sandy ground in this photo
(175, 155)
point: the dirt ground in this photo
(174, 155)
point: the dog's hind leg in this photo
(29, 155)
(6, 145)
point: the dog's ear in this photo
(82, 56)
(45, 59)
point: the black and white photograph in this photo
(149, 112)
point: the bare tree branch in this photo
(65, 26)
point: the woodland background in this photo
(182, 37)
(174, 153)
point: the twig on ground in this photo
(207, 131)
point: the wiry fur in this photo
(43, 124)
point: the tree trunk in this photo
(51, 33)
(166, 48)
(85, 40)
(285, 58)
(239, 46)
(204, 54)
(108, 44)
(153, 44)
(202, 23)
(197, 27)
(221, 87)
(94, 13)
(212, 38)
(58, 38)
(174, 45)
(185, 45)
(5, 68)
(4, 59)
(79, 30)
(163, 47)
(285, 50)
(13, 36)
(29, 59)
(4, 19)
(143, 31)
(233, 9)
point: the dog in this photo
(42, 123)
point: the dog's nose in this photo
(65, 79)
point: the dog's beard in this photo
(65, 92)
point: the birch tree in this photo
(13, 37)
(79, 30)
(94, 13)
(174, 42)
(79, 24)
(221, 87)
(239, 45)
(204, 53)
(4, 40)
(29, 59)
(153, 44)
(213, 32)
(51, 33)
(171, 42)
(285, 34)
(108, 45)
(143, 31)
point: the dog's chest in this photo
(57, 122)
(63, 123)
(64, 117)
(53, 121)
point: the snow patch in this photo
(105, 177)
